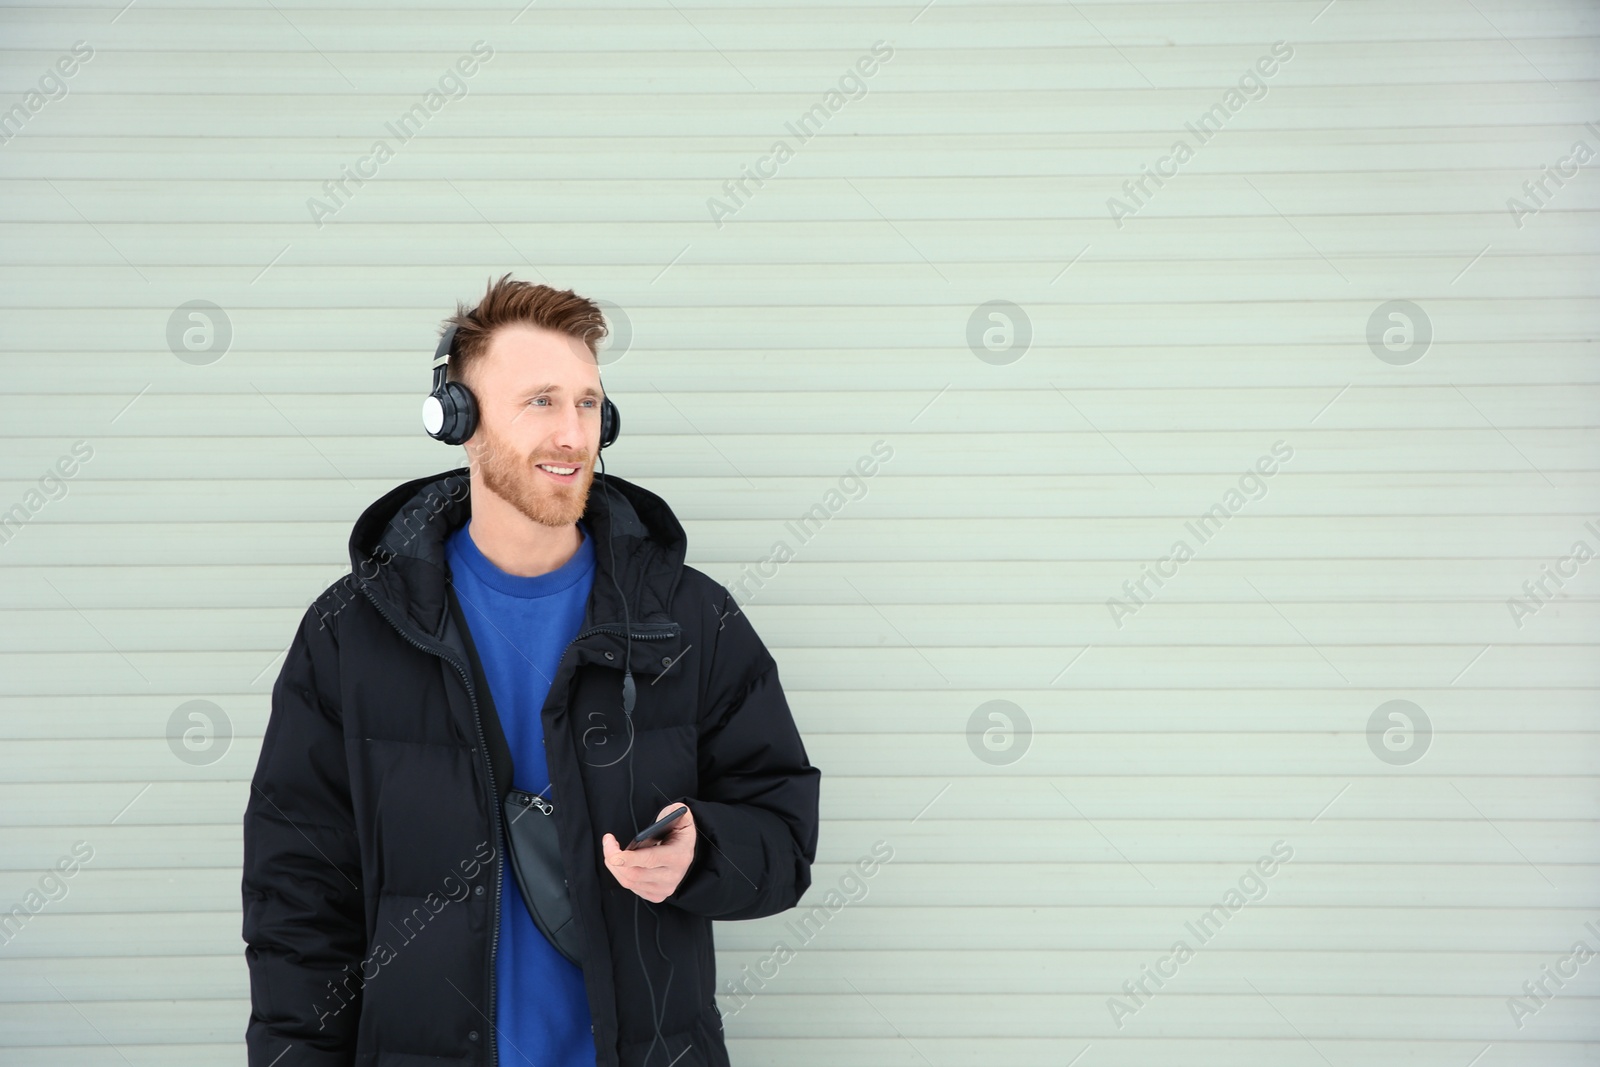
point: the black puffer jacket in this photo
(372, 836)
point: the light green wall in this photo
(830, 311)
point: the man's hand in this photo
(654, 870)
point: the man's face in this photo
(539, 397)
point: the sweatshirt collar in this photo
(460, 548)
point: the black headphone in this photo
(450, 412)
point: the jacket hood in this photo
(397, 551)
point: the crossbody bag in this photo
(536, 862)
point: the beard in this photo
(515, 479)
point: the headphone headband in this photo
(442, 356)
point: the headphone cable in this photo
(628, 692)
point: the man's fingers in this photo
(654, 884)
(640, 859)
(653, 870)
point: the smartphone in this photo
(657, 829)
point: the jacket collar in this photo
(397, 552)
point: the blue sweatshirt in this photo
(521, 626)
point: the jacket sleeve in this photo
(755, 813)
(304, 921)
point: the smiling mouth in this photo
(559, 473)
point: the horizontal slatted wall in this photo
(1077, 744)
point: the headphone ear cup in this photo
(460, 413)
(610, 422)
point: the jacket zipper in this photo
(536, 801)
(671, 630)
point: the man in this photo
(497, 624)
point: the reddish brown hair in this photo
(507, 301)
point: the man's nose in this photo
(570, 435)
